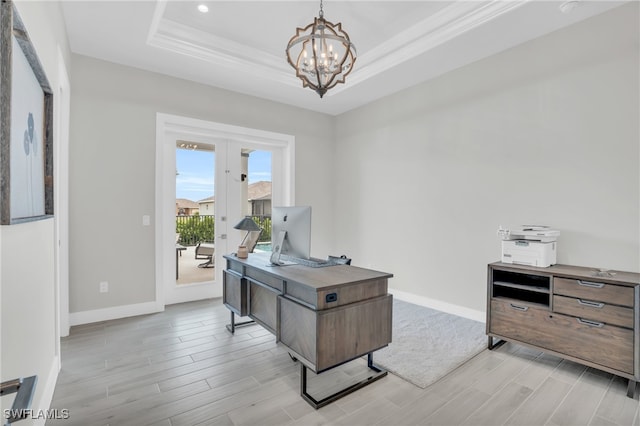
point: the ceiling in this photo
(240, 45)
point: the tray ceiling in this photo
(240, 45)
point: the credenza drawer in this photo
(595, 291)
(511, 319)
(599, 343)
(596, 311)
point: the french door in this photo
(231, 146)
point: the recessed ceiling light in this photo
(203, 8)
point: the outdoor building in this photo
(207, 206)
(259, 197)
(186, 207)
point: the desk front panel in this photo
(263, 305)
(234, 292)
(331, 337)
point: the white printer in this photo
(533, 245)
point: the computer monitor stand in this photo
(277, 250)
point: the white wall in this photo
(112, 170)
(28, 306)
(27, 251)
(544, 133)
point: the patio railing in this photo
(198, 228)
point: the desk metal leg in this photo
(378, 374)
(631, 389)
(233, 324)
(491, 345)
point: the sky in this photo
(195, 172)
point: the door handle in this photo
(222, 236)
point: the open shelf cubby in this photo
(524, 287)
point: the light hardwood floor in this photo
(181, 367)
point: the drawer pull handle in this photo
(519, 308)
(590, 323)
(591, 304)
(590, 284)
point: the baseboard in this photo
(439, 305)
(116, 312)
(47, 394)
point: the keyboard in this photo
(311, 263)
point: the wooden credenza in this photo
(581, 314)
(324, 316)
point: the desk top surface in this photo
(318, 278)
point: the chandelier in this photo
(321, 53)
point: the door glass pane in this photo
(195, 219)
(257, 191)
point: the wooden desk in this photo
(324, 316)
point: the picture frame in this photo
(26, 125)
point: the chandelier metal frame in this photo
(316, 63)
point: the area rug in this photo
(428, 344)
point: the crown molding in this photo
(179, 38)
(447, 24)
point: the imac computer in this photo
(290, 234)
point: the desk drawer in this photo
(263, 305)
(264, 278)
(596, 311)
(234, 292)
(601, 344)
(331, 337)
(334, 297)
(594, 290)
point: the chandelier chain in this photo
(321, 13)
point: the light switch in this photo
(146, 220)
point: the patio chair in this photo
(206, 250)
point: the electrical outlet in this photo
(104, 287)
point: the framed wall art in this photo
(26, 125)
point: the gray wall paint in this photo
(544, 133)
(112, 170)
(27, 277)
(415, 184)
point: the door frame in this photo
(170, 128)
(61, 205)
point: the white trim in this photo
(49, 387)
(61, 205)
(105, 314)
(439, 305)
